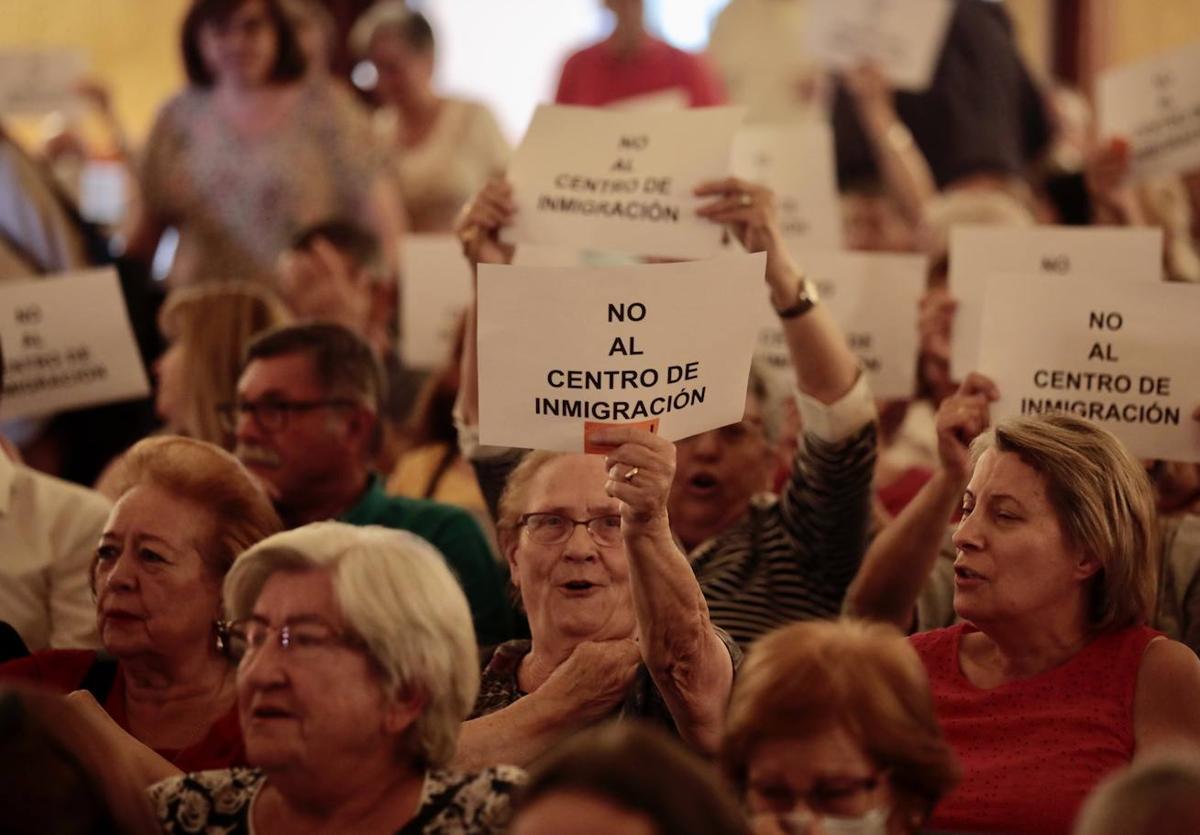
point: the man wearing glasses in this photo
(306, 422)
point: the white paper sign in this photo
(37, 80)
(797, 162)
(437, 289)
(978, 252)
(1119, 354)
(667, 346)
(903, 37)
(67, 344)
(874, 298)
(609, 179)
(1155, 105)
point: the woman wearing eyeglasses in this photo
(358, 665)
(831, 731)
(163, 689)
(618, 623)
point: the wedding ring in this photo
(745, 199)
(632, 472)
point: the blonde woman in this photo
(208, 328)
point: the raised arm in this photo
(898, 562)
(689, 662)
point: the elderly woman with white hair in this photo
(357, 667)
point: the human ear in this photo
(403, 710)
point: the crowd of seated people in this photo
(293, 592)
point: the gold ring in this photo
(632, 472)
(745, 199)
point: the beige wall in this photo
(1137, 29)
(1032, 19)
(131, 45)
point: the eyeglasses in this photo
(829, 796)
(555, 529)
(272, 415)
(301, 639)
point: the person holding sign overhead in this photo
(1052, 680)
(761, 560)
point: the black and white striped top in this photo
(793, 556)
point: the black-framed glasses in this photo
(301, 639)
(271, 415)
(555, 529)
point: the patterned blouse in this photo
(238, 200)
(221, 802)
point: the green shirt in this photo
(454, 532)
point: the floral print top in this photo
(220, 802)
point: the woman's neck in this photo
(172, 702)
(627, 35)
(257, 109)
(1011, 650)
(375, 796)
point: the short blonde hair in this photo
(210, 478)
(863, 677)
(213, 323)
(1104, 503)
(396, 592)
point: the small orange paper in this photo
(590, 426)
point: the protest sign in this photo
(1121, 354)
(1155, 105)
(663, 345)
(437, 289)
(874, 298)
(1100, 254)
(903, 39)
(67, 344)
(620, 180)
(797, 162)
(35, 80)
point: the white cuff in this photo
(468, 440)
(837, 421)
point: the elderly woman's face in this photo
(241, 50)
(578, 588)
(321, 700)
(792, 783)
(154, 593)
(1013, 560)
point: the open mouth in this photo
(578, 586)
(270, 712)
(964, 573)
(702, 484)
(255, 455)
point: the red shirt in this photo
(63, 670)
(1032, 750)
(598, 75)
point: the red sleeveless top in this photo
(1031, 750)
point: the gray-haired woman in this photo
(358, 665)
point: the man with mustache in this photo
(306, 422)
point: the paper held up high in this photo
(621, 180)
(1120, 354)
(666, 346)
(67, 344)
(1102, 254)
(1155, 106)
(38, 80)
(904, 39)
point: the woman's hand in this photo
(594, 679)
(960, 419)
(146, 764)
(750, 213)
(641, 468)
(872, 94)
(479, 224)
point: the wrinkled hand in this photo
(594, 679)
(748, 209)
(479, 224)
(104, 726)
(96, 93)
(960, 419)
(643, 495)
